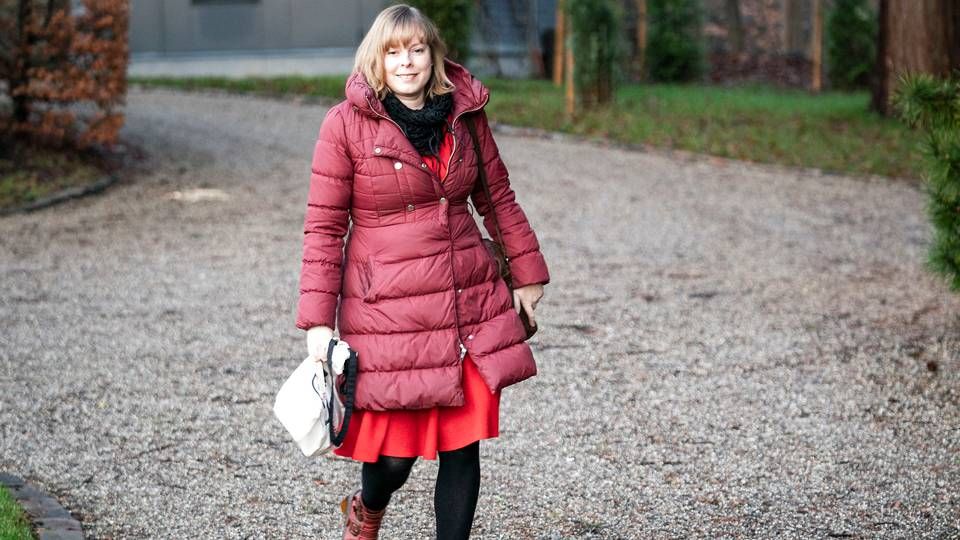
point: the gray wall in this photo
(159, 28)
(175, 26)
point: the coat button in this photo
(397, 165)
(376, 150)
(443, 200)
(423, 165)
(470, 336)
(409, 208)
(459, 291)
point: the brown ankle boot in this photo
(362, 523)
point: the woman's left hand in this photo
(526, 298)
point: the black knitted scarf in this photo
(424, 127)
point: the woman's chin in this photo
(406, 87)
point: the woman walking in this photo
(415, 291)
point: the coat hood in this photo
(468, 94)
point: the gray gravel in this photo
(728, 350)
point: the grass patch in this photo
(326, 86)
(832, 131)
(29, 173)
(13, 522)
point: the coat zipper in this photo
(453, 126)
(453, 152)
(443, 193)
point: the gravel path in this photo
(728, 350)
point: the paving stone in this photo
(52, 524)
(10, 481)
(59, 535)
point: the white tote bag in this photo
(309, 406)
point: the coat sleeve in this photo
(527, 265)
(325, 225)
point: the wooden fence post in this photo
(559, 46)
(641, 55)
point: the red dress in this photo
(424, 432)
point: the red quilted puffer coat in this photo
(415, 288)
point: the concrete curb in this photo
(63, 195)
(50, 520)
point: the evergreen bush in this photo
(851, 43)
(675, 48)
(934, 106)
(597, 48)
(453, 18)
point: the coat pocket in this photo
(381, 280)
(366, 282)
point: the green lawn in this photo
(328, 87)
(832, 131)
(13, 523)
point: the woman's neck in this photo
(412, 102)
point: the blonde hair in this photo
(397, 26)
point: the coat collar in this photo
(468, 94)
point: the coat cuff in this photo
(528, 269)
(316, 308)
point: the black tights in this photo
(455, 495)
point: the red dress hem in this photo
(425, 432)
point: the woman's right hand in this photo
(318, 339)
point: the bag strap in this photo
(483, 180)
(350, 369)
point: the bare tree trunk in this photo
(21, 61)
(640, 54)
(879, 78)
(816, 47)
(953, 36)
(916, 36)
(734, 26)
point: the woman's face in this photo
(408, 68)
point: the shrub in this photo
(934, 106)
(851, 43)
(675, 50)
(597, 48)
(65, 74)
(453, 19)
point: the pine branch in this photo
(928, 103)
(934, 106)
